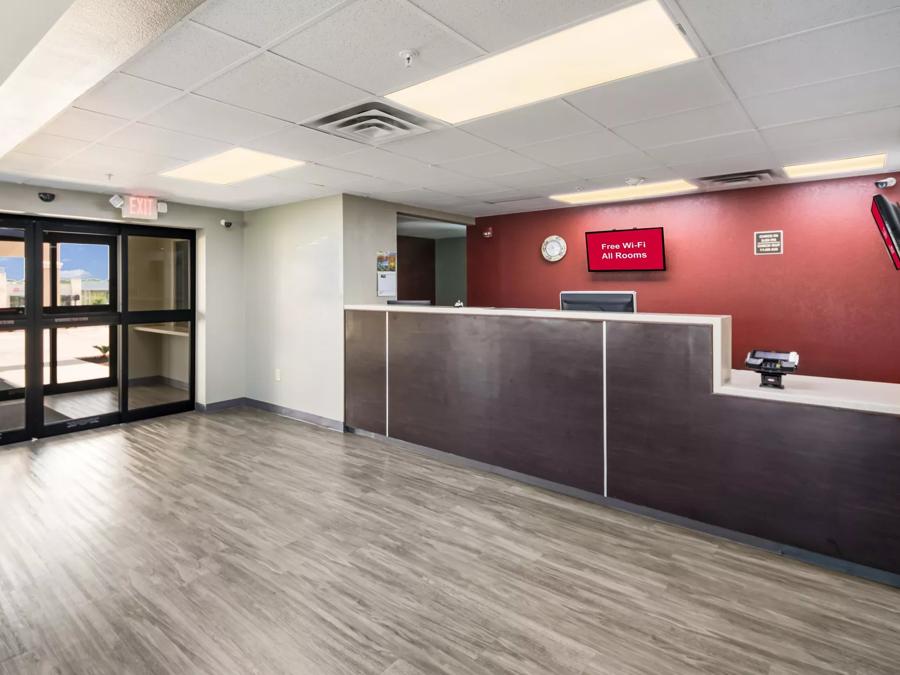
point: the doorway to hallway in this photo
(431, 260)
(96, 324)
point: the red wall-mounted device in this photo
(887, 218)
(638, 250)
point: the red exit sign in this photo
(143, 208)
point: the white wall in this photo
(293, 266)
(220, 307)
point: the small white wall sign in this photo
(770, 242)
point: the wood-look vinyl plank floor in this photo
(242, 542)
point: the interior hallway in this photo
(243, 542)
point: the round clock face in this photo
(553, 248)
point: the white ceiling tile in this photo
(360, 44)
(420, 197)
(48, 145)
(571, 149)
(260, 21)
(272, 85)
(616, 164)
(493, 164)
(879, 126)
(376, 162)
(728, 24)
(695, 84)
(838, 148)
(716, 166)
(126, 96)
(211, 119)
(336, 178)
(457, 184)
(656, 173)
(304, 144)
(827, 99)
(741, 143)
(83, 125)
(528, 179)
(119, 160)
(440, 146)
(20, 163)
(187, 55)
(686, 126)
(817, 56)
(497, 24)
(525, 126)
(159, 141)
(68, 174)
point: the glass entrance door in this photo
(96, 324)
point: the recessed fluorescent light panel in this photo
(627, 42)
(232, 166)
(867, 163)
(621, 194)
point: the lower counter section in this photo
(524, 394)
(626, 410)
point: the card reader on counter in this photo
(772, 365)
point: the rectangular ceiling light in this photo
(627, 42)
(232, 166)
(850, 165)
(621, 194)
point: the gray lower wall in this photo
(450, 270)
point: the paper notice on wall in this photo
(386, 261)
(768, 243)
(387, 284)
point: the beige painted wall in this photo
(294, 306)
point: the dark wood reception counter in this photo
(639, 410)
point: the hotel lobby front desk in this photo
(640, 411)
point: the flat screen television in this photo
(637, 250)
(887, 218)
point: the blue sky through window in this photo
(86, 261)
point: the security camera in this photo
(226, 224)
(46, 196)
(885, 183)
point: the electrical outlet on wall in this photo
(278, 374)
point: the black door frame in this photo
(37, 318)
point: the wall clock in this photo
(554, 248)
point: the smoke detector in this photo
(374, 123)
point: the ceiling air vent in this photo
(374, 123)
(740, 179)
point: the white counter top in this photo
(875, 397)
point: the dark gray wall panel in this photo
(822, 479)
(520, 393)
(364, 370)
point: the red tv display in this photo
(887, 218)
(639, 250)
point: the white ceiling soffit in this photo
(89, 39)
(425, 228)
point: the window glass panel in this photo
(12, 380)
(159, 365)
(73, 355)
(12, 268)
(158, 273)
(82, 274)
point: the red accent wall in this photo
(834, 295)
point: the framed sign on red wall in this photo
(637, 250)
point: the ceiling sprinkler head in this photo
(634, 180)
(408, 55)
